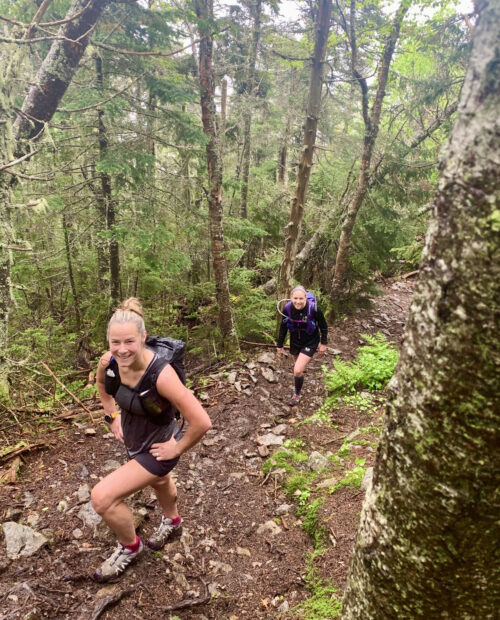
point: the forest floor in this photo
(258, 542)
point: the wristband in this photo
(109, 417)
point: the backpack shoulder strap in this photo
(112, 379)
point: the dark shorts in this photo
(155, 467)
(308, 350)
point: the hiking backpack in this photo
(144, 400)
(309, 323)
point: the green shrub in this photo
(371, 370)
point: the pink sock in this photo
(176, 521)
(134, 546)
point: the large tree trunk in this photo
(372, 122)
(52, 81)
(204, 12)
(322, 28)
(248, 107)
(429, 525)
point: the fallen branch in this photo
(75, 398)
(190, 602)
(21, 450)
(9, 476)
(410, 274)
(108, 601)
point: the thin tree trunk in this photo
(429, 524)
(107, 204)
(52, 81)
(247, 112)
(71, 277)
(372, 122)
(322, 28)
(204, 12)
(282, 176)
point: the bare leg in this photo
(109, 493)
(301, 362)
(166, 492)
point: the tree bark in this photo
(58, 69)
(372, 122)
(248, 107)
(282, 172)
(105, 201)
(322, 28)
(71, 277)
(429, 525)
(204, 12)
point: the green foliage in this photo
(253, 310)
(322, 604)
(372, 368)
(283, 457)
(311, 524)
(354, 477)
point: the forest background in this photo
(113, 195)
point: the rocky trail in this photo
(248, 549)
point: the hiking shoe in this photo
(294, 400)
(117, 562)
(164, 533)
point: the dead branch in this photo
(75, 398)
(107, 602)
(19, 160)
(9, 476)
(21, 450)
(190, 602)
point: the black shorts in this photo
(309, 349)
(155, 467)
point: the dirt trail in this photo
(243, 543)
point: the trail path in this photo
(244, 544)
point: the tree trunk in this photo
(204, 12)
(429, 525)
(106, 202)
(58, 69)
(282, 175)
(248, 107)
(372, 123)
(71, 277)
(322, 28)
(54, 77)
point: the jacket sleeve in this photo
(323, 327)
(282, 334)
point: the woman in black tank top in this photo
(153, 449)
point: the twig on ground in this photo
(107, 602)
(190, 602)
(75, 398)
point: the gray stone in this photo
(328, 483)
(269, 527)
(270, 439)
(267, 358)
(268, 374)
(317, 461)
(231, 377)
(77, 533)
(111, 465)
(284, 509)
(89, 516)
(280, 429)
(83, 493)
(21, 540)
(28, 499)
(354, 434)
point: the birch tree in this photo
(429, 524)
